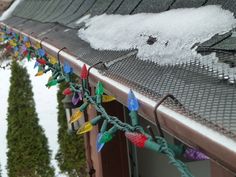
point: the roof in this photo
(205, 95)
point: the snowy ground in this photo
(46, 106)
(4, 89)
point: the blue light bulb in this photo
(133, 104)
(99, 145)
(16, 49)
(41, 52)
(8, 31)
(67, 68)
(36, 64)
(25, 39)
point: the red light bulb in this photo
(84, 72)
(25, 53)
(8, 47)
(137, 139)
(41, 61)
(67, 91)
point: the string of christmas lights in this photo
(21, 48)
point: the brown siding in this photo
(219, 171)
(95, 157)
(114, 154)
(113, 159)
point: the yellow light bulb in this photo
(76, 116)
(52, 59)
(40, 73)
(16, 54)
(12, 43)
(107, 98)
(37, 45)
(27, 44)
(85, 128)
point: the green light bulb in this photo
(99, 89)
(51, 83)
(105, 137)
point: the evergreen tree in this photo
(28, 153)
(71, 153)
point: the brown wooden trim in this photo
(219, 171)
(93, 158)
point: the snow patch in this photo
(83, 19)
(165, 38)
(4, 89)
(6, 14)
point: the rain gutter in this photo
(218, 147)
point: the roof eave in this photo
(219, 147)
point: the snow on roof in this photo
(165, 38)
(6, 14)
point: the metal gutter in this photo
(219, 147)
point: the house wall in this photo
(152, 164)
(119, 158)
(112, 161)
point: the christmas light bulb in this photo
(52, 60)
(16, 36)
(99, 89)
(12, 43)
(25, 52)
(16, 49)
(76, 98)
(16, 54)
(84, 72)
(67, 91)
(39, 73)
(37, 45)
(86, 127)
(8, 31)
(106, 98)
(25, 39)
(27, 44)
(137, 139)
(67, 68)
(106, 137)
(41, 61)
(133, 104)
(194, 154)
(99, 145)
(52, 83)
(76, 116)
(36, 64)
(8, 48)
(41, 52)
(28, 56)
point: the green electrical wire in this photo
(58, 76)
